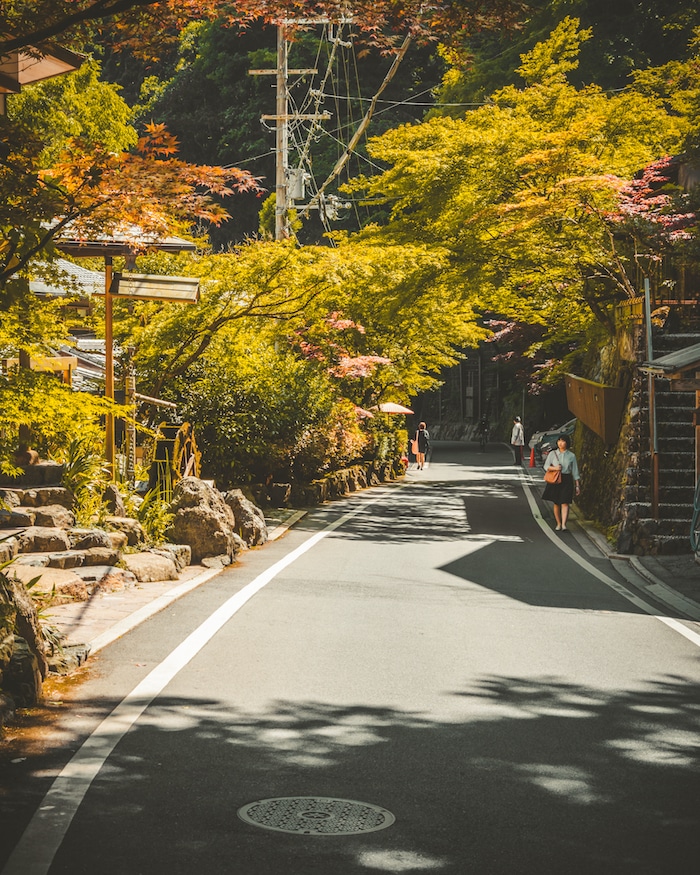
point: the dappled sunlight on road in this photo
(525, 751)
(399, 861)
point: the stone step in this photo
(680, 495)
(663, 390)
(671, 444)
(669, 510)
(673, 413)
(676, 527)
(670, 545)
(680, 431)
(681, 483)
(682, 464)
(70, 559)
(38, 496)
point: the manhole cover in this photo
(316, 815)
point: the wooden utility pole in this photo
(282, 137)
(282, 117)
(109, 368)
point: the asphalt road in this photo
(419, 668)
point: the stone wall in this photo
(617, 480)
(336, 484)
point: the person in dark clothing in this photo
(482, 430)
(422, 443)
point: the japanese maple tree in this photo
(145, 26)
(90, 190)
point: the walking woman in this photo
(422, 441)
(561, 494)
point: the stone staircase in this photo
(670, 532)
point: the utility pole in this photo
(282, 117)
(282, 136)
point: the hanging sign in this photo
(143, 287)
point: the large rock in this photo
(105, 578)
(54, 515)
(10, 497)
(84, 539)
(8, 614)
(249, 519)
(66, 559)
(130, 527)
(202, 519)
(118, 541)
(54, 584)
(150, 567)
(181, 554)
(47, 495)
(67, 658)
(27, 624)
(8, 549)
(112, 497)
(40, 539)
(23, 677)
(35, 560)
(17, 518)
(100, 556)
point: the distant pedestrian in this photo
(482, 430)
(422, 445)
(562, 493)
(517, 441)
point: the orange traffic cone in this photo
(532, 457)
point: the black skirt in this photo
(560, 493)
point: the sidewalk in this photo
(105, 617)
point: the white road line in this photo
(676, 625)
(42, 838)
(148, 610)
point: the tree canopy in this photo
(523, 219)
(146, 26)
(517, 194)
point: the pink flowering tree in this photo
(334, 343)
(656, 217)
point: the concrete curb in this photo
(649, 582)
(283, 527)
(662, 592)
(191, 578)
(153, 607)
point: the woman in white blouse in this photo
(562, 493)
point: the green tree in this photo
(515, 195)
(78, 106)
(53, 414)
(264, 413)
(629, 36)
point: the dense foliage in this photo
(523, 217)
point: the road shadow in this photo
(419, 510)
(485, 507)
(536, 776)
